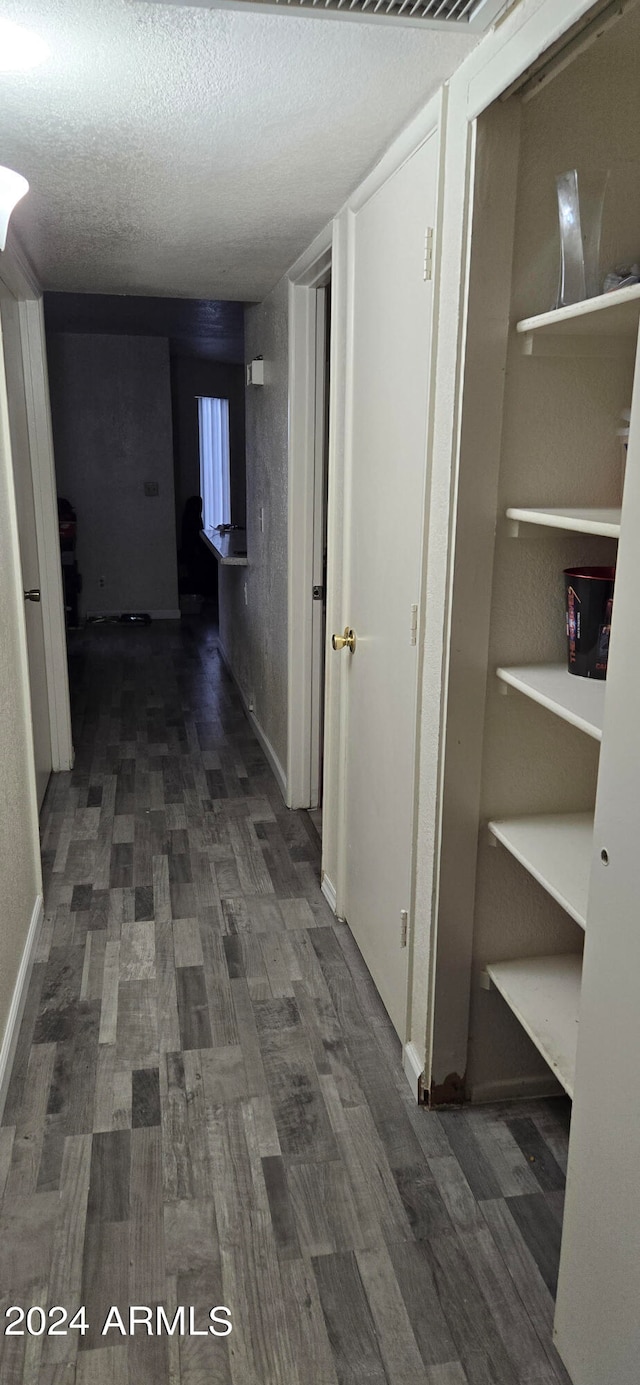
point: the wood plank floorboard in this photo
(207, 1104)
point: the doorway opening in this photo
(308, 486)
(143, 392)
(321, 490)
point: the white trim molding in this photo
(18, 276)
(18, 1001)
(309, 274)
(329, 892)
(16, 613)
(315, 261)
(302, 345)
(261, 735)
(413, 1069)
(36, 382)
(17, 272)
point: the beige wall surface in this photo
(112, 431)
(253, 633)
(20, 878)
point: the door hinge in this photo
(404, 927)
(414, 624)
(318, 593)
(428, 253)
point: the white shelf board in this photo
(610, 314)
(579, 701)
(589, 521)
(544, 994)
(556, 850)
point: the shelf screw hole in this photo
(604, 857)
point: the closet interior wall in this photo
(558, 448)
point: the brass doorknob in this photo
(33, 594)
(346, 641)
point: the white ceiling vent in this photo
(465, 16)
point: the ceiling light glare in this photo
(19, 48)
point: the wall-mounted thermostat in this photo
(255, 371)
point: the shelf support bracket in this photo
(577, 344)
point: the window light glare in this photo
(20, 49)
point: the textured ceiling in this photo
(194, 152)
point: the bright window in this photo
(215, 489)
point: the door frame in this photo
(319, 576)
(309, 274)
(18, 277)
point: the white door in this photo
(23, 482)
(391, 342)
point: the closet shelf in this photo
(580, 701)
(588, 521)
(556, 850)
(544, 994)
(610, 315)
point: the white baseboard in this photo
(18, 999)
(514, 1089)
(413, 1068)
(261, 735)
(329, 892)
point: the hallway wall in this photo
(111, 411)
(20, 874)
(253, 632)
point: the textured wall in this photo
(19, 860)
(254, 635)
(111, 410)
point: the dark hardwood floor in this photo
(207, 1104)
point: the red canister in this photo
(589, 603)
